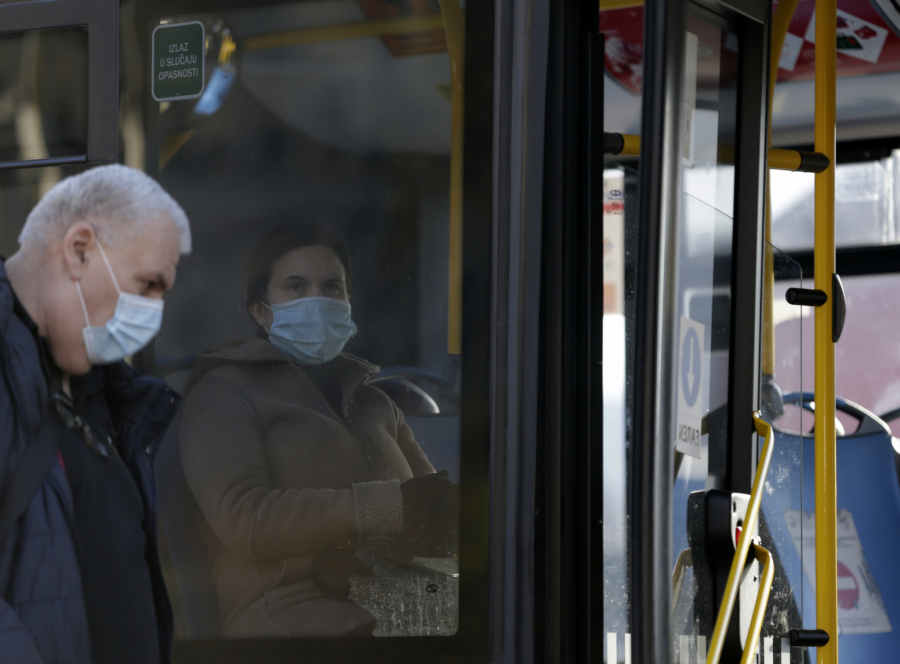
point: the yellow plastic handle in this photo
(763, 428)
(762, 599)
(684, 561)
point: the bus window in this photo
(865, 205)
(311, 487)
(43, 94)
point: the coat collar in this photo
(347, 370)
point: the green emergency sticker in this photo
(178, 51)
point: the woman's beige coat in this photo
(280, 474)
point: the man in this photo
(80, 579)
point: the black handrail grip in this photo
(806, 297)
(613, 144)
(813, 162)
(808, 638)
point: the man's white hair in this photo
(116, 198)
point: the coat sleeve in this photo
(227, 469)
(16, 642)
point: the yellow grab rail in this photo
(455, 28)
(762, 599)
(340, 31)
(717, 641)
(824, 268)
(779, 159)
(685, 560)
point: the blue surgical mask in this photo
(312, 330)
(134, 324)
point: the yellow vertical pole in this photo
(455, 29)
(781, 21)
(825, 435)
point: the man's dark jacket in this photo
(42, 615)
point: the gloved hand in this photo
(430, 506)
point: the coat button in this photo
(172, 401)
(149, 451)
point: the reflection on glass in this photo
(43, 94)
(317, 174)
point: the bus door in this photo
(697, 390)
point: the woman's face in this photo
(314, 271)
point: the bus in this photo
(625, 272)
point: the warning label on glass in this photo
(178, 56)
(860, 607)
(690, 388)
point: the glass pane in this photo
(619, 240)
(316, 169)
(43, 94)
(865, 205)
(868, 488)
(702, 311)
(781, 523)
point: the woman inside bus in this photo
(289, 453)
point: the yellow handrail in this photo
(762, 599)
(620, 4)
(455, 27)
(778, 158)
(341, 31)
(685, 560)
(781, 21)
(825, 433)
(717, 641)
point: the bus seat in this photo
(190, 575)
(438, 435)
(868, 501)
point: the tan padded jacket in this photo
(281, 471)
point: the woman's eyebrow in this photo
(295, 277)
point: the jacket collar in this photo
(348, 371)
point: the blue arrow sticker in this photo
(690, 367)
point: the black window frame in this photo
(101, 19)
(481, 568)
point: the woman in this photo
(289, 453)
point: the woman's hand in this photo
(430, 506)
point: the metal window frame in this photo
(649, 489)
(101, 17)
(569, 621)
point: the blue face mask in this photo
(135, 322)
(312, 330)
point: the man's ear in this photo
(77, 244)
(260, 313)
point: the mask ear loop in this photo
(83, 305)
(109, 267)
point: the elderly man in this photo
(80, 579)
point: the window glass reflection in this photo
(43, 94)
(318, 445)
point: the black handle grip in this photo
(809, 638)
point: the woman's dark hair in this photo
(282, 239)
